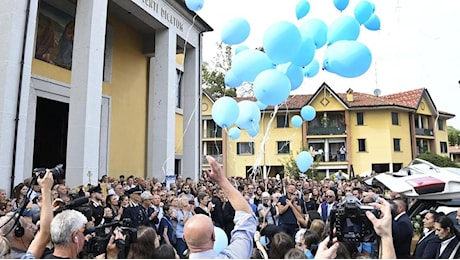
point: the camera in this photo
(350, 221)
(97, 244)
(57, 171)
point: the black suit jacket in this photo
(402, 236)
(427, 247)
(448, 251)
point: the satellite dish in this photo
(377, 92)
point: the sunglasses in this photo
(329, 196)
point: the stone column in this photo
(86, 93)
(192, 114)
(162, 106)
(17, 34)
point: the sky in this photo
(418, 45)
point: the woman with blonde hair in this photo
(318, 226)
(184, 213)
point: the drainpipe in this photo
(16, 119)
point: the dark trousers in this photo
(290, 229)
(180, 247)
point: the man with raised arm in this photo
(199, 230)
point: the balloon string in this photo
(257, 162)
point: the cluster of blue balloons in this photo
(287, 58)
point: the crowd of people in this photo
(133, 217)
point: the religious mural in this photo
(54, 43)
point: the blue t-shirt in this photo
(288, 216)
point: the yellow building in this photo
(354, 132)
(101, 86)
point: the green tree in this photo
(440, 161)
(453, 135)
(214, 73)
(291, 169)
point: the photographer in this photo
(19, 231)
(382, 227)
(43, 235)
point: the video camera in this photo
(97, 244)
(350, 221)
(57, 171)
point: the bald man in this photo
(199, 230)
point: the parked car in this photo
(427, 186)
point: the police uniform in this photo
(97, 211)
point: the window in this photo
(394, 118)
(179, 89)
(245, 148)
(396, 144)
(360, 118)
(283, 147)
(362, 145)
(214, 148)
(214, 130)
(440, 124)
(282, 121)
(443, 147)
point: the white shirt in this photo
(444, 245)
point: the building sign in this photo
(164, 14)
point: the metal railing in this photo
(328, 130)
(424, 131)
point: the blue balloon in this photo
(253, 130)
(304, 161)
(296, 121)
(231, 80)
(373, 23)
(341, 4)
(249, 63)
(311, 69)
(234, 133)
(343, 28)
(225, 111)
(261, 105)
(308, 113)
(194, 5)
(221, 240)
(250, 116)
(293, 72)
(363, 11)
(306, 52)
(282, 41)
(235, 31)
(316, 30)
(240, 48)
(348, 59)
(271, 87)
(302, 8)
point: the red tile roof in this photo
(454, 149)
(407, 99)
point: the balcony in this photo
(328, 130)
(219, 158)
(424, 131)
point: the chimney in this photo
(350, 95)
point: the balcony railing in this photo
(219, 158)
(328, 130)
(424, 131)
